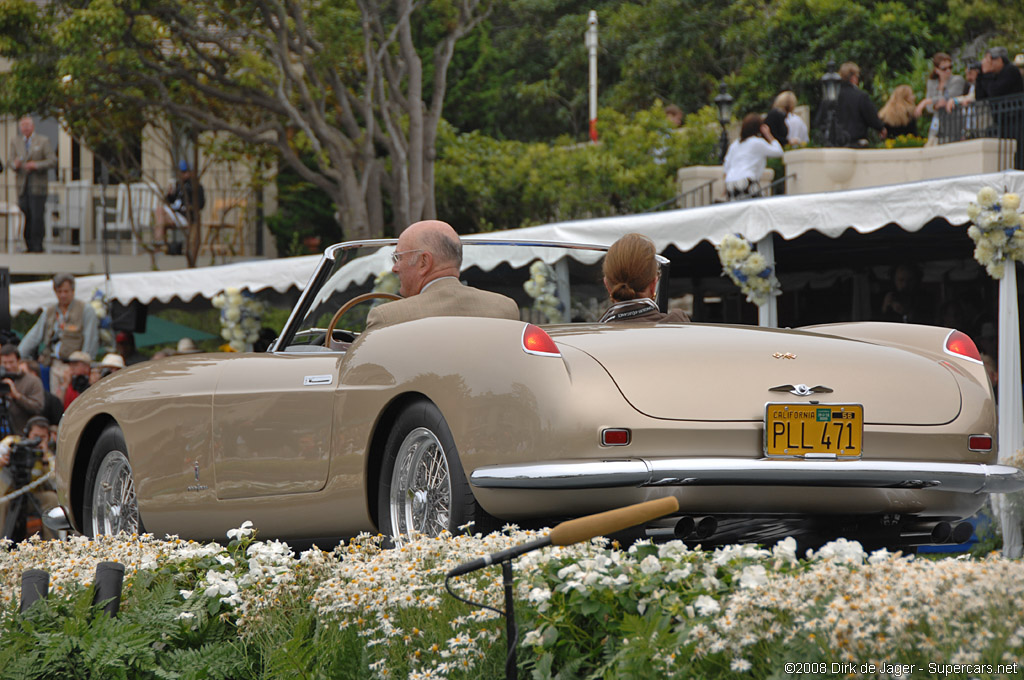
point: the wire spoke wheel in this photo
(115, 507)
(420, 499)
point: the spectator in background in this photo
(796, 128)
(998, 77)
(31, 158)
(79, 365)
(776, 121)
(125, 346)
(53, 407)
(855, 113)
(941, 87)
(183, 202)
(747, 158)
(900, 113)
(36, 428)
(674, 115)
(904, 302)
(22, 393)
(68, 326)
(1018, 61)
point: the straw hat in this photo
(112, 361)
(79, 355)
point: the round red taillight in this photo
(960, 344)
(536, 341)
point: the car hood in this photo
(716, 373)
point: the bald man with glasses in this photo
(427, 260)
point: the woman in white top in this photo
(747, 158)
(795, 125)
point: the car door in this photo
(272, 423)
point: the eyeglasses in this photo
(396, 256)
(946, 68)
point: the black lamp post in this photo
(724, 103)
(830, 94)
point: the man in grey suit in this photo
(31, 158)
(427, 260)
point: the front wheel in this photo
(110, 503)
(423, 489)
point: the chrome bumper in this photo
(636, 472)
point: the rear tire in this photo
(111, 506)
(423, 489)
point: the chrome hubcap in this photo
(114, 507)
(421, 490)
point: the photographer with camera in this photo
(79, 368)
(23, 461)
(22, 393)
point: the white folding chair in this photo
(15, 220)
(135, 205)
(75, 215)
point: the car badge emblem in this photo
(784, 355)
(801, 390)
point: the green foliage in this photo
(485, 184)
(303, 211)
(70, 638)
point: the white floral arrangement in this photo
(541, 287)
(996, 230)
(240, 315)
(386, 282)
(99, 305)
(748, 269)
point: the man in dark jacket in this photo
(854, 111)
(998, 77)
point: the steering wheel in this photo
(349, 305)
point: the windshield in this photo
(551, 283)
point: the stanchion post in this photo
(107, 586)
(511, 634)
(35, 585)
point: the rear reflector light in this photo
(615, 437)
(960, 344)
(979, 442)
(536, 341)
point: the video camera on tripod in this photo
(23, 454)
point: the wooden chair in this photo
(225, 236)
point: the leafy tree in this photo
(356, 85)
(486, 184)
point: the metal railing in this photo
(999, 118)
(86, 218)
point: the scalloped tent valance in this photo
(909, 205)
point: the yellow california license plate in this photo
(813, 429)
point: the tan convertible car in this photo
(880, 432)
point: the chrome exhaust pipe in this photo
(705, 527)
(961, 533)
(684, 527)
(922, 533)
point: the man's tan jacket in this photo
(443, 297)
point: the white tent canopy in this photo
(910, 206)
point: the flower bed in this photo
(250, 609)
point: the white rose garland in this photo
(996, 230)
(747, 269)
(542, 288)
(240, 318)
